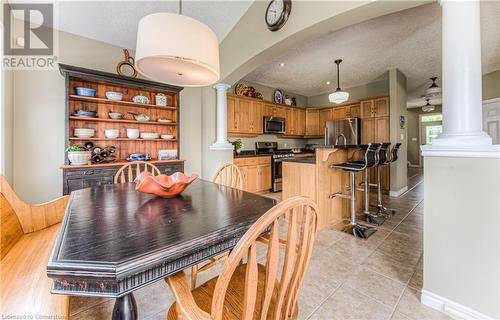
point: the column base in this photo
(480, 138)
(463, 151)
(221, 146)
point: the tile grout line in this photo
(323, 301)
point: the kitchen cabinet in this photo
(256, 172)
(272, 110)
(378, 107)
(324, 116)
(312, 123)
(377, 130)
(301, 122)
(244, 116)
(353, 111)
(339, 113)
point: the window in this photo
(432, 118)
(432, 132)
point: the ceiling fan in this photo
(432, 96)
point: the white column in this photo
(221, 143)
(462, 77)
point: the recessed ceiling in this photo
(409, 40)
(116, 22)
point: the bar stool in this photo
(355, 228)
(381, 158)
(394, 157)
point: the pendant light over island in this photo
(338, 96)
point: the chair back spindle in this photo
(229, 175)
(126, 173)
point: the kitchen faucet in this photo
(340, 136)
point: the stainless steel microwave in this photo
(274, 125)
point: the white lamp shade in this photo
(338, 97)
(177, 49)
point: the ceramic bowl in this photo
(167, 136)
(140, 99)
(132, 133)
(84, 132)
(141, 117)
(163, 185)
(111, 133)
(138, 157)
(86, 113)
(115, 115)
(85, 92)
(115, 96)
(149, 135)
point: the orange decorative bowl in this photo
(163, 185)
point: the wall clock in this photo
(277, 13)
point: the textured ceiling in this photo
(409, 40)
(116, 22)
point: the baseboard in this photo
(396, 194)
(450, 308)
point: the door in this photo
(367, 130)
(324, 116)
(491, 119)
(279, 112)
(264, 178)
(243, 115)
(381, 133)
(353, 111)
(339, 113)
(431, 126)
(312, 123)
(267, 110)
(301, 123)
(381, 107)
(256, 118)
(367, 109)
(250, 178)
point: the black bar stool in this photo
(355, 228)
(394, 157)
(381, 157)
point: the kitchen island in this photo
(312, 177)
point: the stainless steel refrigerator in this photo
(346, 131)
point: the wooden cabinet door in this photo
(250, 178)
(353, 111)
(324, 116)
(264, 178)
(312, 123)
(381, 107)
(301, 122)
(279, 112)
(232, 119)
(243, 115)
(367, 130)
(256, 118)
(367, 109)
(339, 113)
(290, 122)
(381, 130)
(267, 110)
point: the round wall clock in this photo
(277, 13)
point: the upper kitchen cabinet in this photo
(244, 116)
(339, 113)
(312, 123)
(378, 107)
(324, 116)
(272, 110)
(353, 111)
(295, 121)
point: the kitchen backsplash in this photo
(249, 142)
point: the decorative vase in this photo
(78, 158)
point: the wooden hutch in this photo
(83, 176)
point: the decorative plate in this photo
(278, 96)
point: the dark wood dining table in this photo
(114, 240)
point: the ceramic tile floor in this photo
(348, 278)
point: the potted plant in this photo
(78, 156)
(238, 145)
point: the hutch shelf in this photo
(83, 176)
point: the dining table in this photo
(114, 240)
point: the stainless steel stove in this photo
(277, 156)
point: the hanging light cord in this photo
(180, 7)
(337, 62)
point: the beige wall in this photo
(413, 133)
(461, 231)
(397, 92)
(268, 93)
(491, 85)
(376, 88)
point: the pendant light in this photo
(338, 96)
(177, 50)
(428, 107)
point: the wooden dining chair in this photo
(229, 175)
(126, 173)
(253, 290)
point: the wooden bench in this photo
(27, 235)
